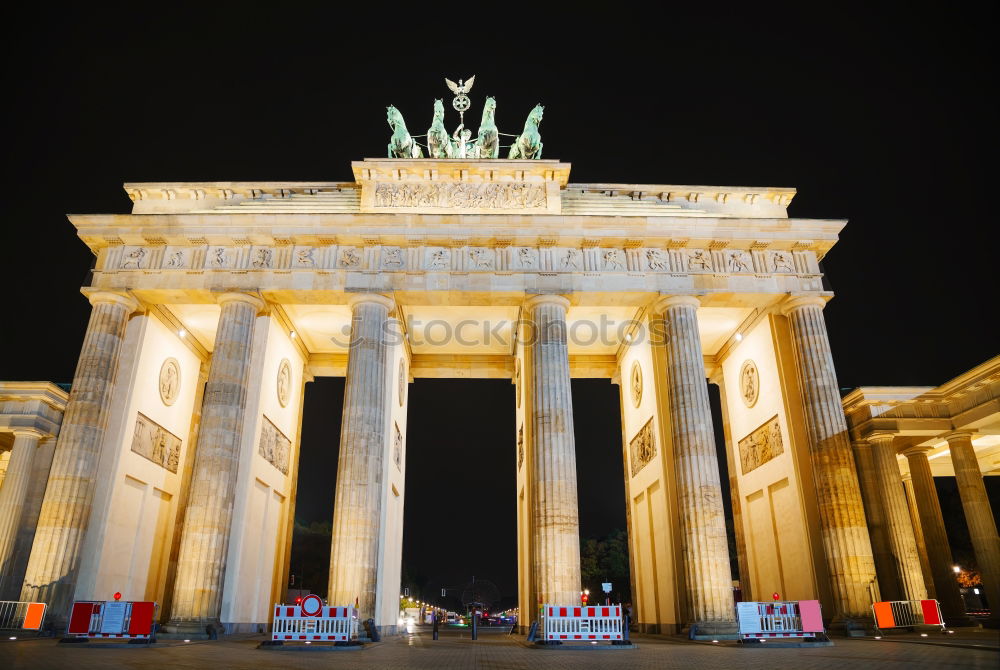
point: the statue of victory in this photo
(401, 145)
(528, 144)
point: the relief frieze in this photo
(761, 446)
(449, 195)
(642, 448)
(274, 447)
(155, 443)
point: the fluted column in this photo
(978, 516)
(935, 535)
(556, 520)
(201, 562)
(13, 491)
(885, 564)
(904, 545)
(62, 522)
(918, 535)
(846, 544)
(707, 574)
(357, 505)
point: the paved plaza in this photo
(497, 650)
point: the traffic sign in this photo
(606, 586)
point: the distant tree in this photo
(969, 578)
(606, 560)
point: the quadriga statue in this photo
(401, 145)
(528, 144)
(438, 143)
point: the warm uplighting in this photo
(182, 332)
(187, 640)
(292, 334)
(739, 337)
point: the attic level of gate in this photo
(456, 186)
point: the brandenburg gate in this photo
(174, 476)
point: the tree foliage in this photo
(606, 560)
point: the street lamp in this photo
(956, 569)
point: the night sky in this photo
(881, 119)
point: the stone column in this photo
(935, 535)
(12, 495)
(904, 546)
(357, 505)
(62, 522)
(201, 561)
(845, 535)
(978, 516)
(552, 477)
(918, 535)
(885, 564)
(707, 574)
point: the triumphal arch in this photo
(215, 303)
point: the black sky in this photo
(879, 118)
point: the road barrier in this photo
(17, 615)
(312, 620)
(117, 619)
(582, 623)
(907, 613)
(789, 618)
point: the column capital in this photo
(355, 299)
(27, 431)
(665, 303)
(881, 437)
(916, 450)
(799, 301)
(957, 435)
(546, 299)
(97, 297)
(238, 296)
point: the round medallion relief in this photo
(636, 383)
(749, 383)
(170, 381)
(401, 391)
(284, 382)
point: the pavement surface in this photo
(495, 649)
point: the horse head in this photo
(438, 110)
(394, 117)
(489, 108)
(536, 114)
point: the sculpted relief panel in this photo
(402, 258)
(274, 447)
(458, 195)
(154, 442)
(761, 446)
(642, 448)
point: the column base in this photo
(859, 626)
(192, 630)
(713, 630)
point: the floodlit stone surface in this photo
(62, 523)
(357, 507)
(845, 535)
(555, 517)
(205, 539)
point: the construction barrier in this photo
(16, 615)
(907, 613)
(115, 619)
(582, 623)
(312, 620)
(790, 618)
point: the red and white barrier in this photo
(907, 613)
(17, 615)
(312, 620)
(790, 618)
(118, 619)
(602, 622)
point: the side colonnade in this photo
(682, 573)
